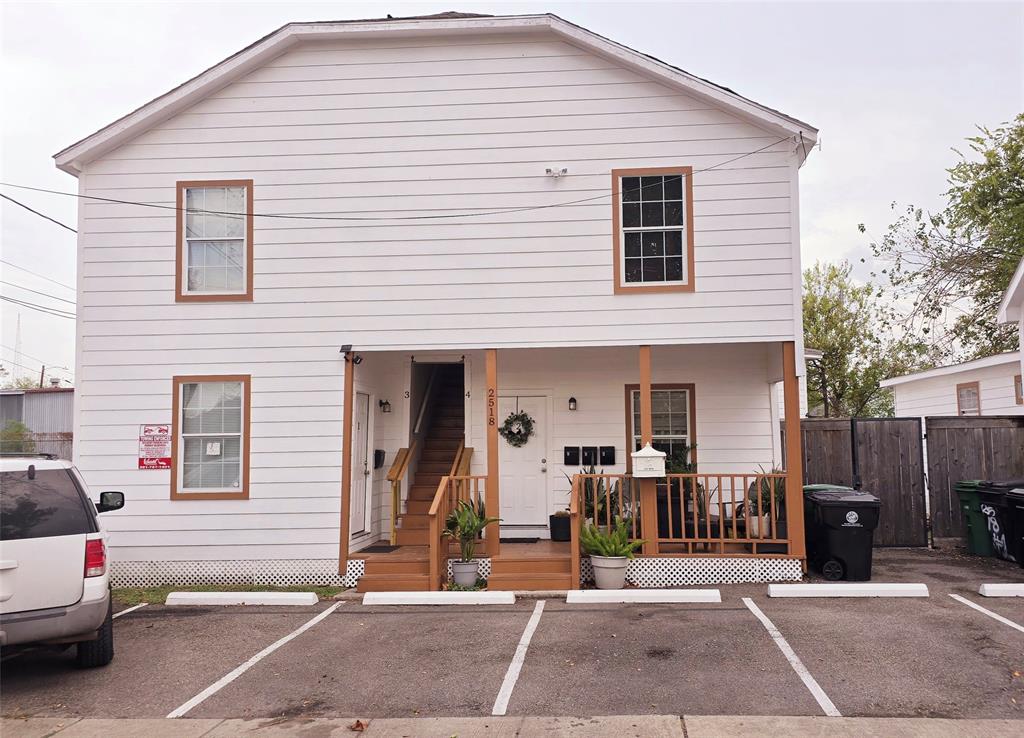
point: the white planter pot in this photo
(465, 573)
(609, 571)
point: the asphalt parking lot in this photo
(927, 657)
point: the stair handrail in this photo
(574, 532)
(424, 400)
(396, 474)
(438, 544)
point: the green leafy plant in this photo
(16, 438)
(481, 584)
(598, 540)
(771, 488)
(465, 524)
(680, 462)
(598, 494)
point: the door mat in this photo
(519, 540)
(382, 548)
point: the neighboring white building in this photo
(989, 386)
(617, 220)
(1011, 309)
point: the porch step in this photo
(442, 444)
(531, 565)
(423, 491)
(412, 536)
(394, 583)
(527, 582)
(437, 455)
(386, 567)
(410, 521)
(455, 433)
(429, 468)
(415, 506)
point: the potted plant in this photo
(771, 490)
(559, 525)
(465, 524)
(610, 552)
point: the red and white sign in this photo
(154, 447)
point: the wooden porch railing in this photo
(450, 492)
(396, 474)
(738, 515)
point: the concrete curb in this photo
(1001, 590)
(439, 598)
(848, 589)
(646, 596)
(303, 599)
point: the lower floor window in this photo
(671, 418)
(211, 436)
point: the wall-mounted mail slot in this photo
(572, 456)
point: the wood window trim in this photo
(243, 492)
(180, 295)
(968, 385)
(631, 388)
(1018, 389)
(618, 286)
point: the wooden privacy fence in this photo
(883, 456)
(969, 448)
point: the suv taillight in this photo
(95, 558)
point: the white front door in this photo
(523, 470)
(361, 487)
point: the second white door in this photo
(523, 482)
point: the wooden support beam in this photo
(794, 453)
(493, 501)
(346, 461)
(648, 487)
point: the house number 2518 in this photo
(492, 407)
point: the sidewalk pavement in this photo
(622, 726)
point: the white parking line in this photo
(994, 616)
(801, 671)
(512, 675)
(234, 674)
(130, 609)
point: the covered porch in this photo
(725, 501)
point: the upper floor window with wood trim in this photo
(968, 398)
(652, 229)
(210, 437)
(214, 241)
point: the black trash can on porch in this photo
(839, 526)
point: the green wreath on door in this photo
(517, 428)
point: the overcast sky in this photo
(892, 87)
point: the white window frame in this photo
(968, 411)
(634, 410)
(184, 240)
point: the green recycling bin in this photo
(979, 541)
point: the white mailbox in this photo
(648, 462)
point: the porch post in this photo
(493, 501)
(346, 460)
(794, 453)
(648, 487)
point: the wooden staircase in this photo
(531, 573)
(410, 570)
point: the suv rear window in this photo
(49, 505)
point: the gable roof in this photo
(1012, 357)
(72, 158)
(1011, 309)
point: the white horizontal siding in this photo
(937, 395)
(382, 128)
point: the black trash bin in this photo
(839, 525)
(1015, 503)
(995, 508)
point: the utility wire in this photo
(52, 364)
(37, 274)
(41, 215)
(40, 308)
(436, 216)
(36, 292)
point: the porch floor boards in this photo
(543, 549)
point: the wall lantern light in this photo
(572, 404)
(385, 406)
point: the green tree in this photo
(16, 438)
(841, 319)
(947, 271)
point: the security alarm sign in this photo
(154, 447)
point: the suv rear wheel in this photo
(98, 652)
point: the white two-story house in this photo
(360, 270)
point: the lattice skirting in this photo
(690, 571)
(312, 572)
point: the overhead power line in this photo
(41, 215)
(52, 364)
(36, 292)
(40, 308)
(37, 274)
(364, 218)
